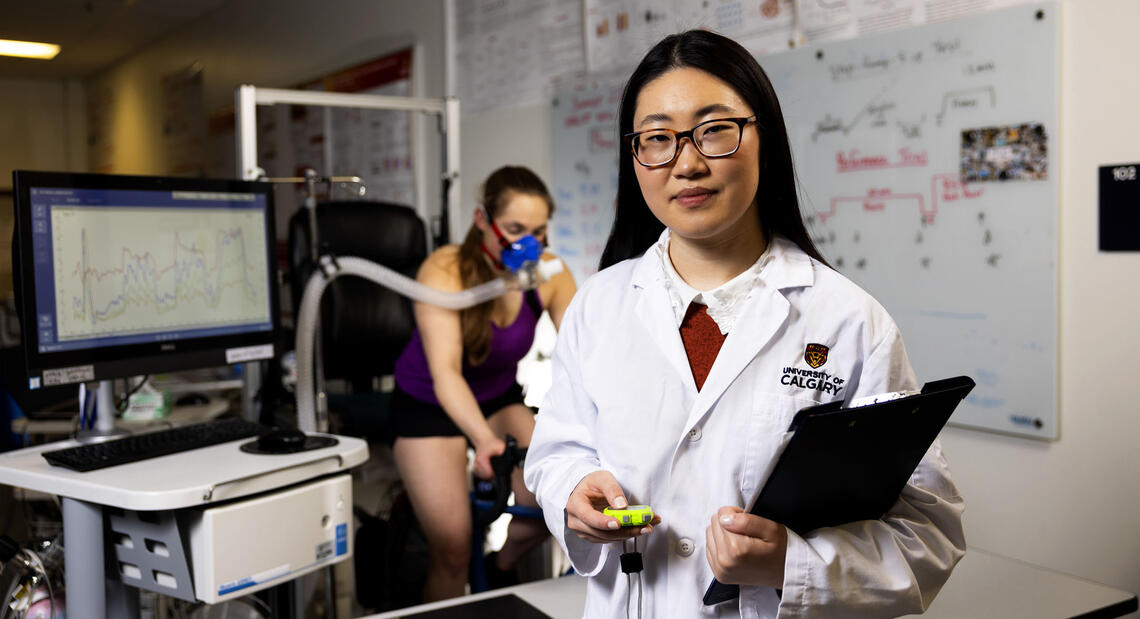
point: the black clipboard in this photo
(849, 464)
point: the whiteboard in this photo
(883, 130)
(584, 160)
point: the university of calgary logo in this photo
(815, 355)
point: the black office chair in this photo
(364, 326)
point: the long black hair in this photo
(635, 227)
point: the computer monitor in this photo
(128, 275)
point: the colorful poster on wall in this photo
(618, 33)
(375, 145)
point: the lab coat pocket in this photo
(633, 432)
(768, 434)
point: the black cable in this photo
(5, 602)
(122, 404)
(631, 564)
(47, 581)
(628, 580)
(640, 596)
(628, 593)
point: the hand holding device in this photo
(584, 510)
(632, 516)
(745, 549)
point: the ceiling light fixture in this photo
(28, 49)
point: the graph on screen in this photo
(122, 271)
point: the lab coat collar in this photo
(654, 309)
(790, 266)
(763, 314)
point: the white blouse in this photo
(724, 301)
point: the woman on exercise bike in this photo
(455, 381)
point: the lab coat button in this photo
(685, 547)
(695, 434)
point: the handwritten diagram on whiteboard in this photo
(927, 165)
(584, 152)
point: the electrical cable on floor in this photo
(38, 563)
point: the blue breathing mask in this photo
(513, 256)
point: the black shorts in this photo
(412, 417)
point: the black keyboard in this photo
(137, 447)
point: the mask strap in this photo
(503, 242)
(498, 263)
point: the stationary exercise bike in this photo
(392, 539)
(489, 501)
(392, 556)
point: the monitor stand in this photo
(104, 411)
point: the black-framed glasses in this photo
(719, 137)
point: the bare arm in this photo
(443, 345)
(561, 289)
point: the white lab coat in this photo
(623, 399)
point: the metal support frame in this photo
(248, 97)
(97, 595)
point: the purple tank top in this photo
(487, 380)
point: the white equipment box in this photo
(241, 547)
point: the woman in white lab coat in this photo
(679, 366)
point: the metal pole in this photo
(245, 119)
(105, 409)
(451, 196)
(273, 96)
(83, 559)
(321, 404)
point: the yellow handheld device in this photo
(632, 516)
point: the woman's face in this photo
(696, 197)
(522, 214)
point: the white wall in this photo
(1071, 505)
(517, 136)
